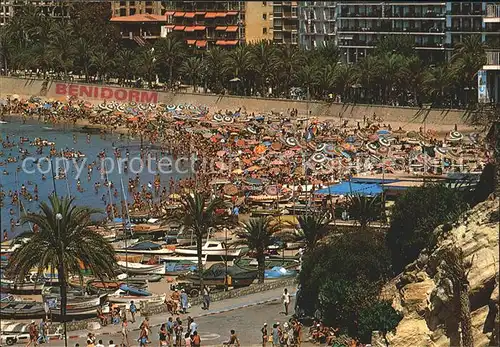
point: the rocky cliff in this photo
(425, 296)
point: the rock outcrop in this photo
(425, 296)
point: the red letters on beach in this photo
(106, 93)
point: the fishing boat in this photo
(98, 287)
(142, 269)
(130, 290)
(211, 248)
(120, 297)
(144, 278)
(251, 263)
(147, 248)
(216, 276)
(25, 288)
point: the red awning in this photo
(179, 14)
(200, 12)
(169, 13)
(232, 28)
(220, 42)
(189, 15)
(200, 28)
(201, 43)
(221, 14)
(232, 13)
(190, 42)
(169, 26)
(179, 27)
(221, 28)
(211, 15)
(189, 29)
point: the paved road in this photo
(214, 326)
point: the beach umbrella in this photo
(383, 150)
(221, 165)
(288, 154)
(275, 170)
(276, 146)
(47, 106)
(253, 181)
(237, 171)
(350, 139)
(174, 196)
(383, 132)
(228, 119)
(260, 149)
(253, 168)
(320, 147)
(230, 189)
(373, 137)
(277, 162)
(348, 147)
(291, 141)
(318, 157)
(384, 142)
(221, 153)
(251, 130)
(455, 136)
(267, 143)
(272, 190)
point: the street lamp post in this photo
(62, 277)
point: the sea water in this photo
(63, 136)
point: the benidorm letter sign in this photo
(106, 93)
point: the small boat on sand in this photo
(210, 248)
(142, 269)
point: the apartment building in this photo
(207, 24)
(258, 21)
(489, 76)
(130, 8)
(286, 22)
(55, 9)
(316, 23)
(361, 25)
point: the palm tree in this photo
(313, 227)
(290, 59)
(456, 269)
(307, 76)
(238, 63)
(364, 209)
(64, 242)
(257, 234)
(62, 47)
(171, 51)
(193, 69)
(436, 81)
(125, 65)
(147, 63)
(102, 63)
(343, 80)
(83, 57)
(265, 63)
(214, 62)
(198, 216)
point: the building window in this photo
(264, 31)
(122, 3)
(149, 10)
(264, 3)
(131, 3)
(264, 16)
(123, 12)
(132, 11)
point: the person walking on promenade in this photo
(162, 336)
(184, 301)
(206, 298)
(133, 311)
(265, 336)
(33, 334)
(125, 339)
(233, 340)
(286, 300)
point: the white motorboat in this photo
(210, 248)
(141, 269)
(119, 298)
(174, 258)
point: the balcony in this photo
(492, 14)
(492, 60)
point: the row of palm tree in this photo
(394, 74)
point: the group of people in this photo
(288, 334)
(38, 333)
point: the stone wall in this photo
(96, 93)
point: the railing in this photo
(492, 11)
(493, 58)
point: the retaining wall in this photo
(97, 93)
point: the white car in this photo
(11, 339)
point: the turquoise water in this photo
(64, 137)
